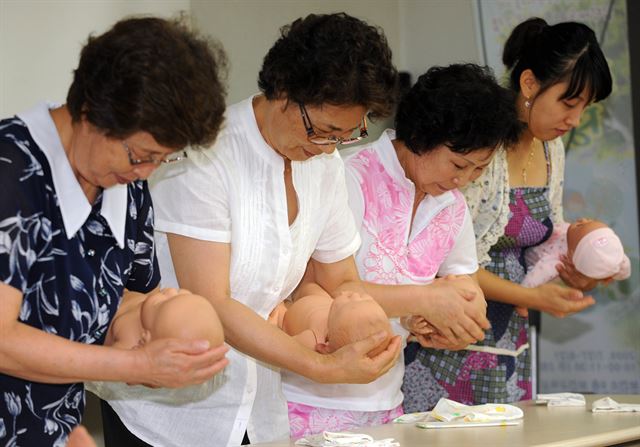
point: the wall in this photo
(40, 42)
(415, 30)
(436, 32)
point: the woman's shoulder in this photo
(489, 186)
(20, 156)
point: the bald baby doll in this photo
(326, 324)
(169, 313)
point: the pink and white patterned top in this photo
(394, 250)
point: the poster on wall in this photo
(597, 350)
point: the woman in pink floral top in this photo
(413, 221)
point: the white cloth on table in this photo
(561, 400)
(608, 405)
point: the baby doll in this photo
(591, 245)
(169, 313)
(326, 324)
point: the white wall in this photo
(248, 28)
(40, 39)
(436, 32)
(421, 33)
(40, 42)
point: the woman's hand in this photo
(80, 437)
(573, 278)
(560, 301)
(457, 310)
(351, 364)
(175, 363)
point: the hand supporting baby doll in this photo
(424, 329)
(168, 316)
(588, 246)
(326, 324)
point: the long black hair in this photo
(565, 52)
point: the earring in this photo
(527, 103)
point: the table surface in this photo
(542, 426)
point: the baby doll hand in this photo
(522, 311)
(572, 277)
(175, 363)
(437, 341)
(351, 363)
(417, 325)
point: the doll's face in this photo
(353, 317)
(150, 309)
(579, 229)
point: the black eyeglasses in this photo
(330, 140)
(156, 161)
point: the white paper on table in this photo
(461, 424)
(608, 405)
(336, 439)
(448, 410)
(562, 400)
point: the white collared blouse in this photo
(234, 193)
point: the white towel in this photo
(562, 400)
(608, 405)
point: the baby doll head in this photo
(353, 317)
(185, 316)
(596, 251)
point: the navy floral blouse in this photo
(71, 284)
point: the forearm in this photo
(505, 291)
(250, 334)
(32, 354)
(398, 300)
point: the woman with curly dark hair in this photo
(414, 225)
(76, 223)
(556, 71)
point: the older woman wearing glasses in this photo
(76, 224)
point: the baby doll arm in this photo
(307, 338)
(541, 272)
(625, 269)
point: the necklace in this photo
(528, 163)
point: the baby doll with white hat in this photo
(593, 247)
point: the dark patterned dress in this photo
(473, 377)
(71, 286)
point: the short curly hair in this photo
(334, 59)
(153, 75)
(461, 106)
